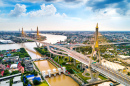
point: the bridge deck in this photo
(114, 75)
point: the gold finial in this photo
(97, 25)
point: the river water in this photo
(60, 80)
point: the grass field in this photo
(84, 78)
(44, 83)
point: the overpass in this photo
(114, 75)
(54, 52)
(79, 45)
(39, 59)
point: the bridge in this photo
(79, 45)
(39, 59)
(112, 74)
(54, 52)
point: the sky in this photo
(65, 15)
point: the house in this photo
(36, 78)
(123, 56)
(1, 55)
(17, 79)
(28, 66)
(5, 83)
(24, 59)
(11, 59)
(2, 67)
(14, 66)
(18, 84)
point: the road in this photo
(114, 75)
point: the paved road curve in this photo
(114, 75)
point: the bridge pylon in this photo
(95, 48)
(22, 34)
(95, 52)
(37, 31)
(38, 37)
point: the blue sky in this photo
(65, 15)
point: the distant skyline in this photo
(65, 15)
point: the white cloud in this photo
(18, 10)
(48, 10)
(128, 13)
(61, 15)
(107, 14)
(2, 4)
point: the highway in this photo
(78, 45)
(54, 52)
(114, 75)
(59, 51)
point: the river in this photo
(60, 80)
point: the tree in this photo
(36, 82)
(34, 72)
(23, 64)
(11, 81)
(83, 69)
(72, 60)
(65, 59)
(15, 72)
(63, 63)
(60, 57)
(78, 66)
(71, 71)
(128, 73)
(6, 73)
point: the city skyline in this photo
(65, 15)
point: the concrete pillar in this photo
(54, 71)
(74, 62)
(75, 49)
(36, 44)
(93, 48)
(50, 54)
(64, 69)
(49, 72)
(99, 57)
(69, 58)
(44, 74)
(80, 66)
(58, 58)
(92, 77)
(59, 69)
(97, 74)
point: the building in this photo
(11, 59)
(123, 56)
(28, 65)
(5, 83)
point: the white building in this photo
(123, 56)
(6, 41)
(17, 78)
(14, 66)
(18, 84)
(4, 83)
